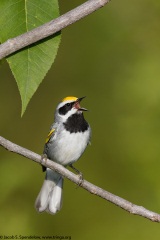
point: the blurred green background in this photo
(112, 57)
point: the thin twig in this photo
(50, 28)
(124, 204)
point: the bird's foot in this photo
(80, 174)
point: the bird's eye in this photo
(65, 108)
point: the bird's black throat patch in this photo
(76, 123)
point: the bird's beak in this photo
(77, 104)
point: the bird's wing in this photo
(50, 135)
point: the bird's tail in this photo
(50, 196)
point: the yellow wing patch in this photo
(49, 135)
(70, 98)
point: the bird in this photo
(67, 140)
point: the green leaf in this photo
(29, 66)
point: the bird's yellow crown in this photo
(70, 98)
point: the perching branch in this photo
(50, 28)
(124, 204)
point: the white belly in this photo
(67, 147)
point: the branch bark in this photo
(120, 202)
(50, 28)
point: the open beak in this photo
(77, 105)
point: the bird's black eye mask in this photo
(67, 107)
